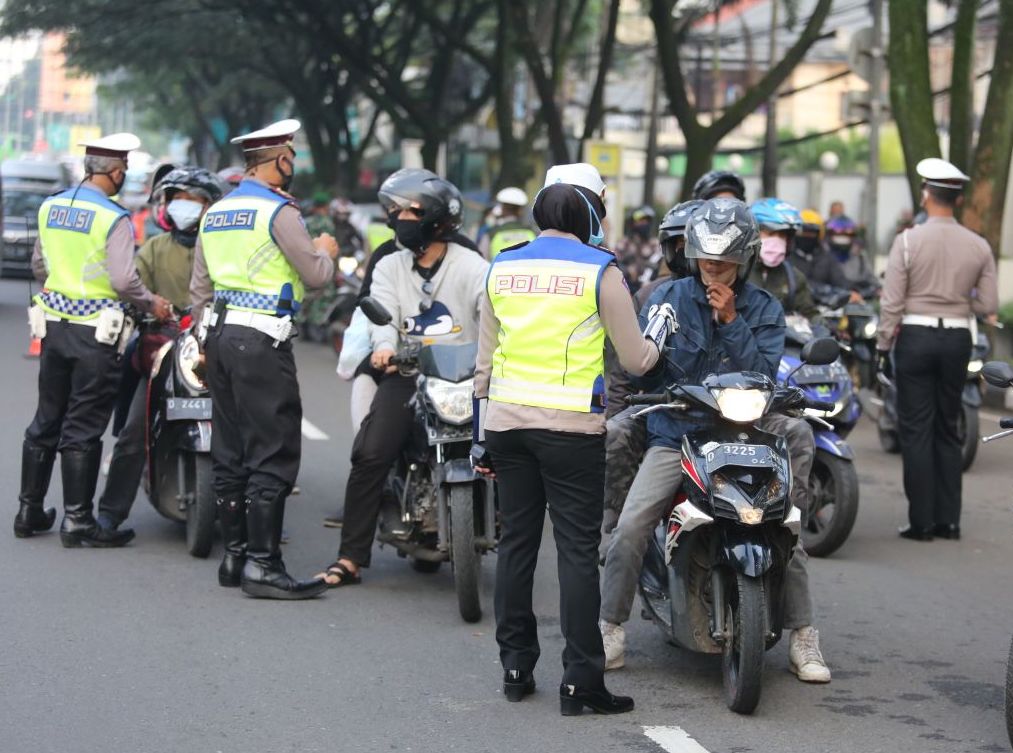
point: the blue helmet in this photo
(776, 215)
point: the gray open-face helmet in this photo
(722, 230)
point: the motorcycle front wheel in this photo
(464, 556)
(967, 428)
(200, 509)
(834, 505)
(745, 643)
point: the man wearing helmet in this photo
(345, 233)
(509, 228)
(727, 324)
(810, 257)
(639, 253)
(718, 184)
(165, 264)
(778, 222)
(434, 288)
(842, 243)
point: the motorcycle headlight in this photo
(974, 366)
(348, 265)
(451, 400)
(870, 328)
(187, 361)
(741, 406)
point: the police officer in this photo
(85, 258)
(550, 305)
(253, 257)
(509, 229)
(939, 276)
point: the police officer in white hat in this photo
(253, 259)
(939, 277)
(84, 258)
(510, 229)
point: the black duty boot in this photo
(80, 474)
(36, 469)
(264, 574)
(572, 701)
(517, 683)
(232, 518)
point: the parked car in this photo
(25, 185)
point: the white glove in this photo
(661, 324)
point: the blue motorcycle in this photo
(834, 480)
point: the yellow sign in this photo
(608, 158)
(79, 133)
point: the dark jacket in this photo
(789, 286)
(820, 268)
(619, 384)
(754, 341)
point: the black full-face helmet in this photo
(722, 230)
(671, 233)
(717, 181)
(436, 202)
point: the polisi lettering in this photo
(230, 219)
(535, 284)
(70, 218)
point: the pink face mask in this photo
(773, 249)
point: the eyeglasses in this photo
(427, 290)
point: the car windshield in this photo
(22, 203)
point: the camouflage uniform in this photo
(318, 224)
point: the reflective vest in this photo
(245, 264)
(551, 339)
(74, 226)
(509, 234)
(377, 233)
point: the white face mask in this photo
(184, 212)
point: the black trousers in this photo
(78, 382)
(256, 437)
(931, 366)
(383, 433)
(536, 469)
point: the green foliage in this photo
(851, 148)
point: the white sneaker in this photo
(614, 638)
(804, 655)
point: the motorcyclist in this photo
(165, 263)
(345, 233)
(810, 257)
(319, 220)
(842, 243)
(639, 253)
(726, 324)
(433, 288)
(778, 222)
(507, 227)
(718, 184)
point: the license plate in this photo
(188, 408)
(739, 454)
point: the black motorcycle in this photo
(178, 440)
(1000, 374)
(435, 507)
(713, 576)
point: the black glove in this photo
(884, 364)
(480, 458)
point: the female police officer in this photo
(550, 305)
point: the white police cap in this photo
(576, 174)
(514, 197)
(276, 134)
(940, 173)
(113, 145)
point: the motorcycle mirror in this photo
(821, 351)
(998, 373)
(375, 311)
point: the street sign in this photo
(860, 53)
(608, 158)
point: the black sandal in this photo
(338, 570)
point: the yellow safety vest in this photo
(246, 266)
(509, 234)
(551, 339)
(74, 226)
(377, 233)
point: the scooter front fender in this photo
(828, 441)
(746, 553)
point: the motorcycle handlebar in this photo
(1006, 423)
(659, 398)
(822, 405)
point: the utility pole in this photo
(875, 117)
(650, 164)
(769, 176)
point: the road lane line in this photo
(674, 740)
(312, 432)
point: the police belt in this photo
(940, 322)
(278, 328)
(93, 322)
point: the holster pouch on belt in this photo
(110, 326)
(125, 333)
(37, 321)
(204, 324)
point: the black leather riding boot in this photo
(36, 470)
(79, 469)
(124, 478)
(232, 518)
(264, 574)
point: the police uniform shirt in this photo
(120, 264)
(315, 268)
(932, 270)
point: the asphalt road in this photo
(138, 649)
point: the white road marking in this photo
(312, 432)
(674, 740)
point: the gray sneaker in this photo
(614, 638)
(804, 655)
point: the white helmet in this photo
(514, 197)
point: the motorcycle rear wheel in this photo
(834, 505)
(200, 510)
(465, 557)
(743, 652)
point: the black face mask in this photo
(412, 236)
(286, 177)
(806, 243)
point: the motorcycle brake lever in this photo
(652, 408)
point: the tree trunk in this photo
(431, 151)
(962, 85)
(651, 161)
(990, 173)
(910, 87)
(769, 172)
(698, 161)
